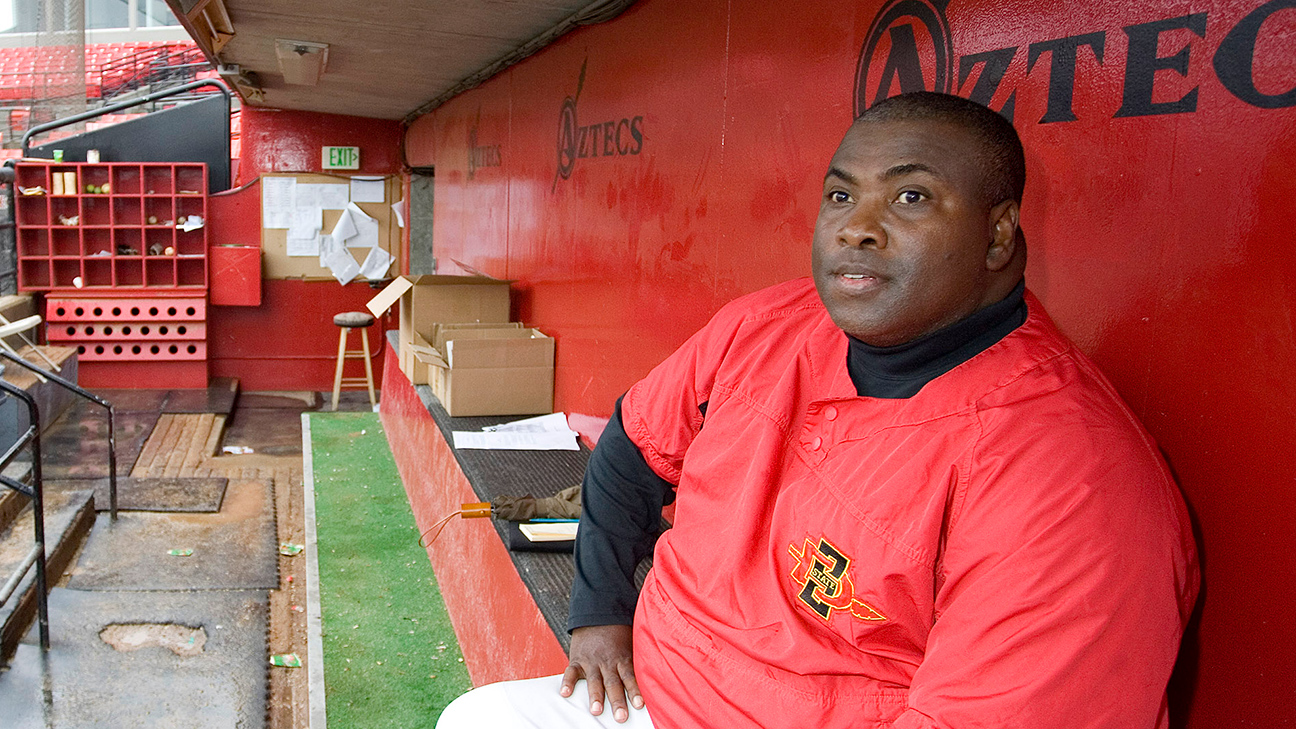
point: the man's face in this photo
(900, 246)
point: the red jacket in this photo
(1004, 549)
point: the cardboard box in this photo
(420, 352)
(428, 300)
(442, 333)
(492, 372)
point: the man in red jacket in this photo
(903, 498)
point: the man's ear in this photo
(1003, 234)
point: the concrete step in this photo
(68, 518)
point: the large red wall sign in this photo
(637, 175)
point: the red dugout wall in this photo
(289, 342)
(636, 175)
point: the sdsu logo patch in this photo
(823, 582)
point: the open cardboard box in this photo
(422, 353)
(489, 371)
(427, 300)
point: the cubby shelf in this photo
(122, 240)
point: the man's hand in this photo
(604, 657)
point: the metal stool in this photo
(347, 321)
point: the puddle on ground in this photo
(179, 639)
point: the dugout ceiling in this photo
(385, 58)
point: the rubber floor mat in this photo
(217, 398)
(88, 683)
(230, 550)
(201, 495)
(76, 446)
(150, 401)
(268, 431)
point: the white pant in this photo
(533, 704)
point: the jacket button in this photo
(816, 443)
(830, 412)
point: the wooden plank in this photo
(195, 449)
(212, 448)
(152, 446)
(169, 467)
(181, 428)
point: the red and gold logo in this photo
(822, 576)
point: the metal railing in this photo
(162, 64)
(35, 492)
(77, 390)
(161, 94)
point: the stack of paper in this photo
(561, 531)
(543, 433)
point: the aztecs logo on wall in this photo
(481, 155)
(613, 138)
(822, 579)
(910, 47)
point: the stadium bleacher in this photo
(25, 73)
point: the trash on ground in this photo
(286, 660)
(288, 549)
(180, 552)
(236, 450)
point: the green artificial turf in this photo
(390, 655)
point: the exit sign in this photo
(341, 158)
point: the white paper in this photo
(276, 200)
(345, 228)
(343, 266)
(306, 195)
(334, 197)
(276, 218)
(366, 228)
(304, 246)
(543, 441)
(323, 195)
(368, 189)
(376, 263)
(326, 246)
(562, 531)
(193, 222)
(552, 423)
(304, 222)
(398, 208)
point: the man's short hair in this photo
(1002, 155)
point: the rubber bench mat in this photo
(201, 495)
(91, 684)
(517, 473)
(233, 549)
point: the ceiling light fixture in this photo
(302, 62)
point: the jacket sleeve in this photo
(621, 505)
(1063, 589)
(634, 469)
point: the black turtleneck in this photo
(901, 371)
(622, 497)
